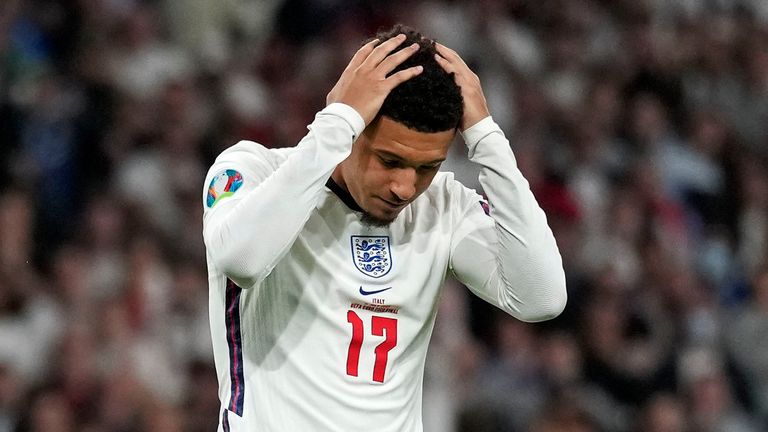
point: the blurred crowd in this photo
(641, 125)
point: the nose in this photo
(403, 184)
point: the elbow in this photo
(230, 260)
(551, 296)
(546, 303)
(547, 311)
(231, 267)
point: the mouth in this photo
(393, 206)
(383, 213)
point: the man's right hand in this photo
(364, 84)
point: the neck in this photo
(337, 185)
(338, 178)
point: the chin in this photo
(377, 221)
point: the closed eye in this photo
(390, 163)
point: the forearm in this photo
(247, 237)
(526, 277)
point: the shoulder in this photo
(241, 167)
(253, 156)
(249, 158)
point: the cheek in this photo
(374, 177)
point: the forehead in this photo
(389, 136)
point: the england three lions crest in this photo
(372, 255)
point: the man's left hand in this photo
(475, 106)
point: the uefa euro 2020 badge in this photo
(372, 255)
(223, 185)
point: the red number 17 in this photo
(380, 326)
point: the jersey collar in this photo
(343, 195)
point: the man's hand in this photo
(364, 83)
(475, 106)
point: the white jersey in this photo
(321, 323)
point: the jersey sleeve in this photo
(255, 206)
(504, 251)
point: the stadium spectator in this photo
(642, 124)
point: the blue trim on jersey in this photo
(225, 420)
(235, 343)
(486, 207)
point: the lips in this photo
(392, 205)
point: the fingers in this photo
(380, 52)
(362, 54)
(451, 62)
(445, 64)
(404, 75)
(394, 60)
(475, 105)
(448, 54)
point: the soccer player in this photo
(326, 260)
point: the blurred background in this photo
(640, 124)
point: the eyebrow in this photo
(400, 159)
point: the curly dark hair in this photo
(429, 102)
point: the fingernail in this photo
(419, 68)
(414, 45)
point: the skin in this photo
(391, 165)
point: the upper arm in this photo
(474, 247)
(525, 279)
(236, 173)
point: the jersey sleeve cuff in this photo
(478, 131)
(349, 114)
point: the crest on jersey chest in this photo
(372, 255)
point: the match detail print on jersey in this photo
(371, 255)
(223, 185)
